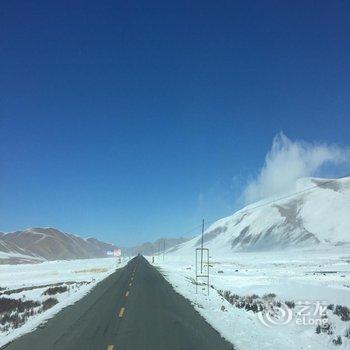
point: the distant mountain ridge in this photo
(44, 244)
(152, 248)
(40, 244)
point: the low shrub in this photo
(55, 290)
(325, 328)
(330, 307)
(347, 333)
(9, 305)
(269, 296)
(343, 312)
(290, 304)
(49, 303)
(337, 340)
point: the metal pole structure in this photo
(208, 271)
(196, 273)
(202, 247)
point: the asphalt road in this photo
(134, 308)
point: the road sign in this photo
(203, 262)
(117, 252)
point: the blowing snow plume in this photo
(287, 161)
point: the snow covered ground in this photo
(311, 278)
(29, 282)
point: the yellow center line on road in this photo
(121, 312)
(110, 347)
(127, 293)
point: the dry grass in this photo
(15, 312)
(49, 303)
(93, 270)
(56, 290)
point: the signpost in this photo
(202, 246)
(117, 252)
(204, 266)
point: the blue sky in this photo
(133, 121)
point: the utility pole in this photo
(202, 247)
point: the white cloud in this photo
(288, 161)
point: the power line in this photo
(191, 230)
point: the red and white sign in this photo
(117, 252)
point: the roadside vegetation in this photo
(15, 312)
(16, 309)
(269, 304)
(55, 290)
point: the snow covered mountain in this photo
(41, 244)
(38, 244)
(318, 213)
